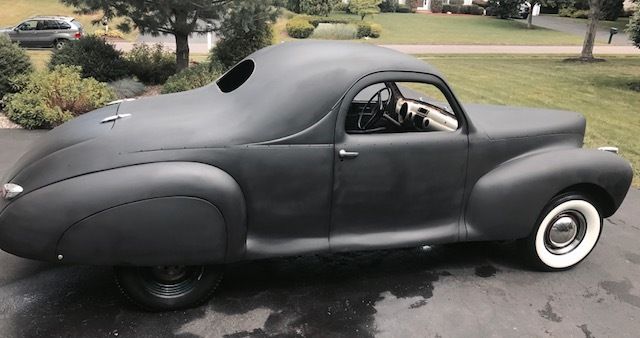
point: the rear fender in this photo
(506, 202)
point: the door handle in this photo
(348, 154)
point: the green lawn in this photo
(620, 24)
(598, 90)
(454, 29)
(14, 11)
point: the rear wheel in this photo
(163, 288)
(567, 231)
(59, 44)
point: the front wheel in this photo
(568, 229)
(163, 288)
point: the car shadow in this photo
(328, 294)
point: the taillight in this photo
(78, 35)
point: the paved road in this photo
(464, 290)
(570, 26)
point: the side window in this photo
(30, 25)
(64, 25)
(400, 107)
(50, 25)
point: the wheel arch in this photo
(505, 203)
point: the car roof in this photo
(293, 86)
(51, 17)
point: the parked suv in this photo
(45, 31)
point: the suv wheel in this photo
(60, 43)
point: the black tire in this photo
(563, 213)
(165, 288)
(59, 44)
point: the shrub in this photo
(13, 61)
(481, 3)
(98, 59)
(403, 9)
(315, 21)
(465, 9)
(454, 9)
(580, 14)
(376, 30)
(341, 7)
(316, 7)
(364, 7)
(293, 5)
(112, 33)
(364, 29)
(388, 6)
(151, 65)
(456, 2)
(633, 29)
(338, 31)
(50, 98)
(191, 78)
(436, 6)
(299, 28)
(127, 87)
(477, 10)
(503, 9)
(611, 9)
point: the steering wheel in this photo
(376, 106)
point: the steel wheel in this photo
(59, 44)
(170, 287)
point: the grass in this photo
(452, 29)
(620, 24)
(14, 11)
(600, 91)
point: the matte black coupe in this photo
(303, 148)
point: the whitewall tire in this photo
(567, 231)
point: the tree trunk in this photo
(592, 27)
(182, 51)
(530, 17)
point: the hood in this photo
(505, 122)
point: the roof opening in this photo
(235, 77)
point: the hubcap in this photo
(565, 232)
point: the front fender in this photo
(506, 202)
(157, 213)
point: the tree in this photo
(364, 7)
(246, 29)
(633, 29)
(174, 17)
(592, 27)
(505, 9)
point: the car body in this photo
(261, 164)
(45, 31)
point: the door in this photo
(401, 186)
(25, 34)
(47, 30)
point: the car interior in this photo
(392, 107)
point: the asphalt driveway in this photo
(462, 290)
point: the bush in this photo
(477, 10)
(454, 9)
(97, 59)
(388, 6)
(503, 9)
(456, 2)
(341, 7)
(191, 78)
(50, 98)
(480, 3)
(151, 65)
(611, 9)
(580, 14)
(316, 7)
(436, 6)
(376, 30)
(315, 21)
(465, 9)
(127, 87)
(633, 29)
(299, 28)
(112, 33)
(293, 5)
(338, 31)
(13, 61)
(403, 9)
(364, 29)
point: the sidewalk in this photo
(201, 48)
